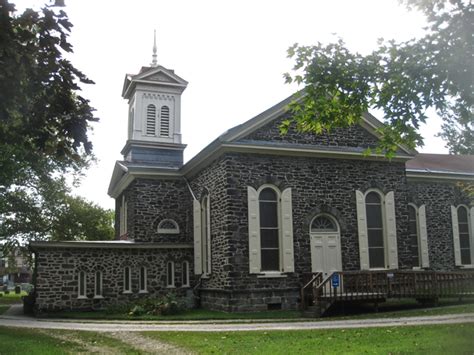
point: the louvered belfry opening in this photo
(151, 120)
(165, 121)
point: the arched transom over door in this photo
(325, 245)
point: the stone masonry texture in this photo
(318, 185)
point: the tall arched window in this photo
(98, 284)
(82, 284)
(127, 280)
(170, 274)
(151, 120)
(413, 234)
(269, 229)
(375, 230)
(142, 287)
(464, 238)
(205, 235)
(165, 121)
(185, 274)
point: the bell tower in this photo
(154, 116)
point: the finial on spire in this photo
(154, 63)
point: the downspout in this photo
(196, 288)
(190, 190)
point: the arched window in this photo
(168, 226)
(185, 274)
(170, 274)
(98, 284)
(127, 280)
(270, 219)
(82, 284)
(269, 229)
(165, 121)
(142, 287)
(205, 235)
(464, 238)
(151, 120)
(375, 230)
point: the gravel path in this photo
(12, 319)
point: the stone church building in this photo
(243, 222)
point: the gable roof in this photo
(441, 166)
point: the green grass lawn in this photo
(11, 297)
(29, 341)
(433, 339)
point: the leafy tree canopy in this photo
(44, 121)
(401, 79)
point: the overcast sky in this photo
(232, 53)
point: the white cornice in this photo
(430, 175)
(116, 244)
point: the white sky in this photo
(232, 53)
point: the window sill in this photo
(127, 292)
(143, 291)
(173, 286)
(271, 275)
(205, 276)
(185, 286)
(98, 297)
(82, 298)
(466, 266)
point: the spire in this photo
(154, 62)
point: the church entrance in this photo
(325, 245)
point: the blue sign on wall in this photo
(335, 280)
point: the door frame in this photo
(314, 234)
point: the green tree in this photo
(44, 121)
(79, 219)
(402, 79)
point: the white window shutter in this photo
(362, 229)
(287, 230)
(457, 247)
(471, 241)
(197, 237)
(391, 230)
(254, 233)
(424, 252)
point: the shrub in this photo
(17, 289)
(137, 310)
(166, 305)
(6, 292)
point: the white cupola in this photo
(154, 115)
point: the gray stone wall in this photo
(57, 272)
(213, 181)
(353, 136)
(151, 201)
(318, 185)
(438, 198)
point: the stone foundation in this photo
(250, 300)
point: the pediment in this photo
(160, 75)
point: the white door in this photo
(325, 245)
